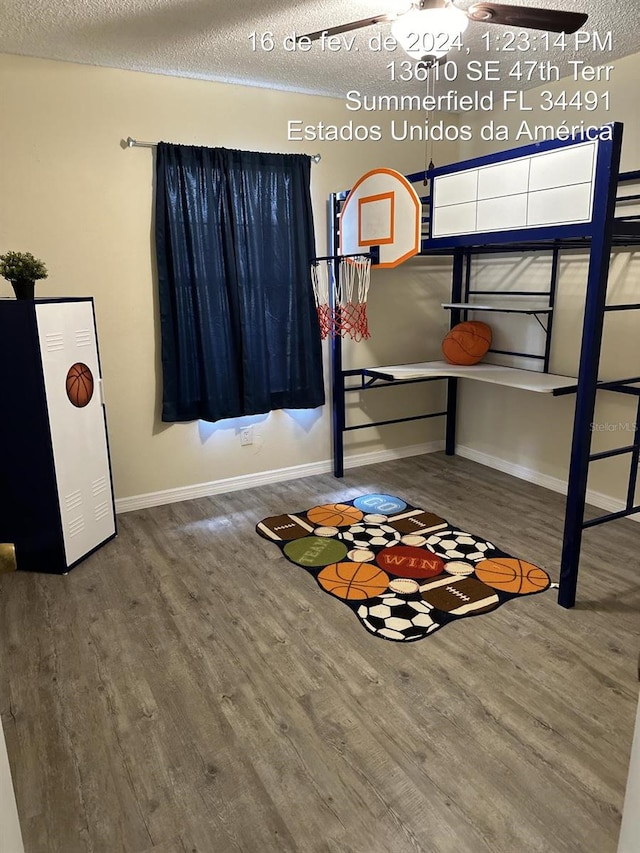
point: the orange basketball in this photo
(79, 384)
(512, 575)
(353, 581)
(334, 515)
(467, 343)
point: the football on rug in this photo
(404, 571)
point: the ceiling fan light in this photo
(429, 33)
(480, 12)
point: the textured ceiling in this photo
(211, 39)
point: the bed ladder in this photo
(604, 204)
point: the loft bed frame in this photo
(461, 219)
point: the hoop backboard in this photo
(382, 210)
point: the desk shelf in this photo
(498, 309)
(526, 380)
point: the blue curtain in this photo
(234, 241)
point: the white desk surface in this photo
(527, 380)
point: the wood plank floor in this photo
(188, 689)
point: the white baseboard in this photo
(264, 478)
(556, 484)
(357, 460)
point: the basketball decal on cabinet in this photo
(79, 385)
(403, 571)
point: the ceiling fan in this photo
(430, 28)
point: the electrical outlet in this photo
(246, 436)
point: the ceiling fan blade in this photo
(553, 20)
(345, 28)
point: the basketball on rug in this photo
(404, 572)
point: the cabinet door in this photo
(68, 345)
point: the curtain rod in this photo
(134, 143)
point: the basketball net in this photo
(341, 300)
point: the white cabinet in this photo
(55, 474)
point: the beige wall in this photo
(534, 431)
(74, 197)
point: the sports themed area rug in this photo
(404, 571)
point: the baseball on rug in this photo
(404, 571)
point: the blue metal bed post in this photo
(338, 403)
(467, 283)
(553, 286)
(452, 384)
(604, 202)
(337, 377)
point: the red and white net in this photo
(341, 300)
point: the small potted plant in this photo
(22, 270)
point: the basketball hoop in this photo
(340, 286)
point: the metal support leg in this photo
(338, 407)
(452, 410)
(553, 284)
(604, 209)
(452, 384)
(337, 377)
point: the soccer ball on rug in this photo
(367, 536)
(458, 545)
(397, 618)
